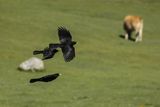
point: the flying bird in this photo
(66, 44)
(46, 78)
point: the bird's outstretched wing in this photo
(48, 53)
(37, 52)
(68, 53)
(54, 46)
(64, 35)
(44, 52)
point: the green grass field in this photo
(108, 71)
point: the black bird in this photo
(46, 78)
(47, 52)
(66, 44)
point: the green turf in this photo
(108, 71)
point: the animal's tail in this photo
(33, 80)
(37, 52)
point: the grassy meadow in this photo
(107, 71)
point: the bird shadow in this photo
(130, 38)
(27, 71)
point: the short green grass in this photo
(108, 71)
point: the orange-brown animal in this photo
(131, 24)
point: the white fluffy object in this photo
(33, 64)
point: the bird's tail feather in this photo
(34, 80)
(37, 52)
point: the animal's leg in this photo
(140, 33)
(126, 36)
(139, 36)
(129, 34)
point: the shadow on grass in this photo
(130, 38)
(22, 70)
